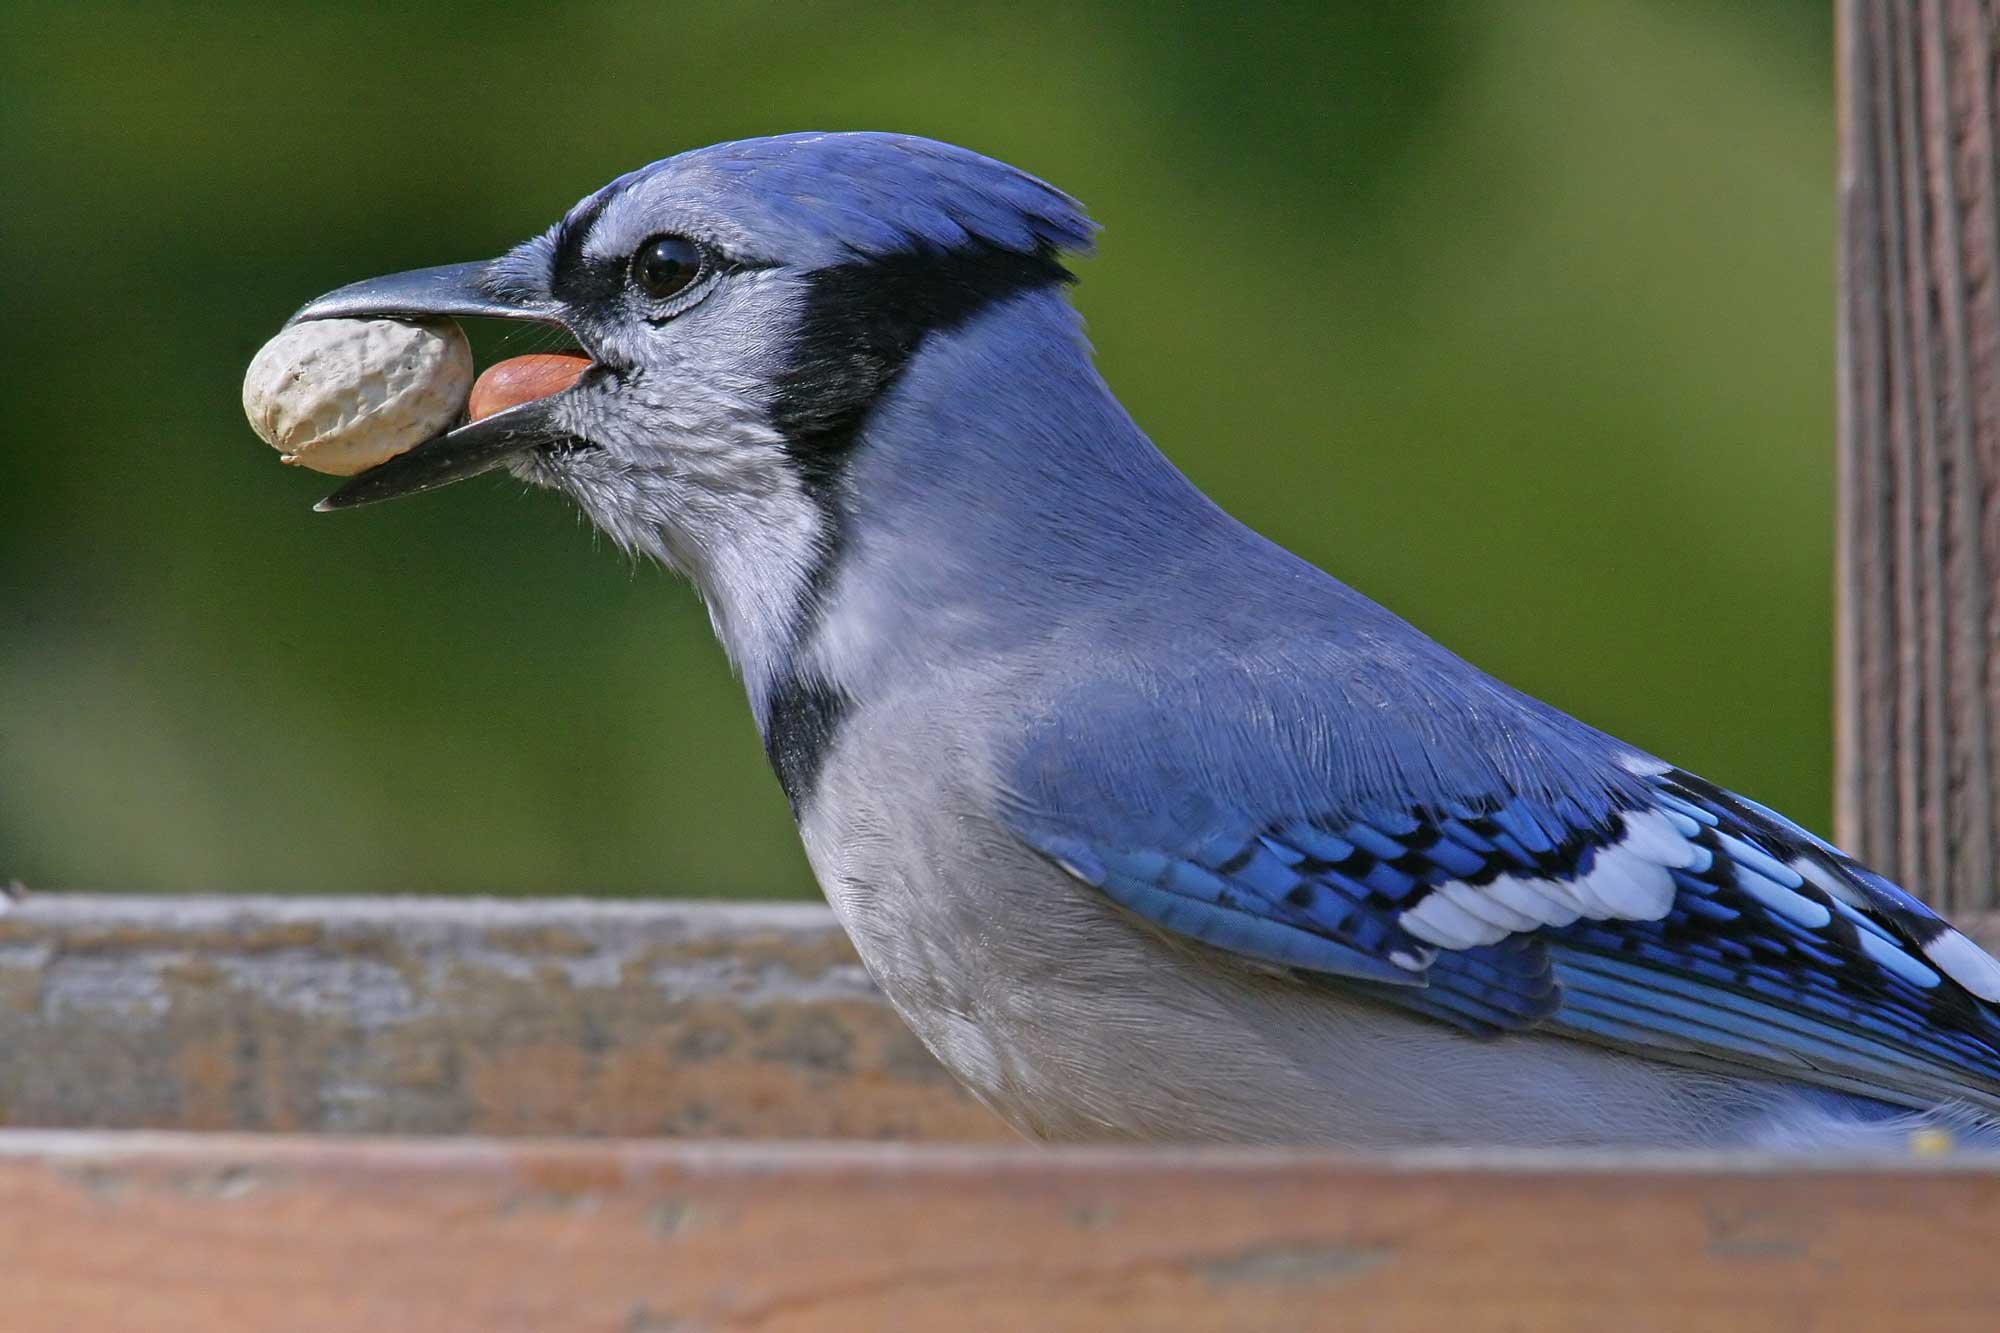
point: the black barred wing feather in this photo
(1784, 953)
(1669, 917)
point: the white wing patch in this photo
(1630, 880)
(1966, 963)
(1952, 953)
(1836, 886)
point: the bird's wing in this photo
(1644, 909)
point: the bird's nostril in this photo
(522, 379)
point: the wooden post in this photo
(1918, 678)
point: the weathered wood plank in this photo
(1917, 671)
(455, 1016)
(459, 1016)
(214, 1233)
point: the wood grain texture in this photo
(1918, 677)
(457, 1016)
(554, 1016)
(211, 1234)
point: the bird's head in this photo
(744, 307)
(835, 381)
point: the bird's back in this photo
(1143, 868)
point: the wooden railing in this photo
(209, 1234)
(457, 1016)
(455, 1080)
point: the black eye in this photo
(666, 265)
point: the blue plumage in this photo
(865, 195)
(1149, 827)
(1818, 973)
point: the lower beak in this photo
(479, 446)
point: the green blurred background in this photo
(1517, 315)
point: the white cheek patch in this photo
(698, 480)
(1629, 880)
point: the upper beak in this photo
(450, 289)
(481, 446)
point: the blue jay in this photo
(1149, 828)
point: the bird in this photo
(1150, 829)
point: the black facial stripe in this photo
(862, 324)
(592, 286)
(599, 287)
(802, 716)
(580, 281)
(568, 268)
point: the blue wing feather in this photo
(1771, 951)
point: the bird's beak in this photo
(480, 446)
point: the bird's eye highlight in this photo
(666, 266)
